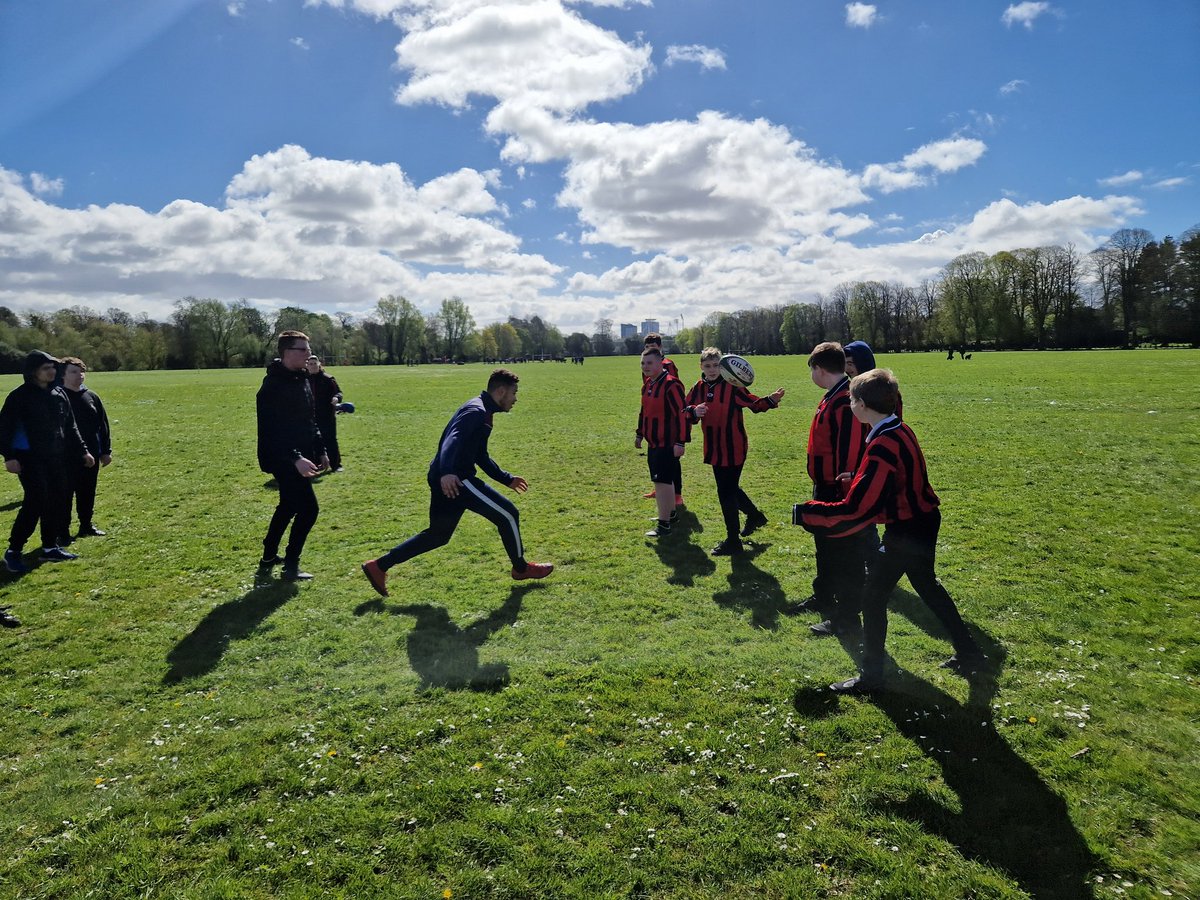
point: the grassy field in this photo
(648, 722)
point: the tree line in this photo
(1131, 290)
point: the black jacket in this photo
(325, 390)
(36, 423)
(92, 421)
(287, 424)
(464, 443)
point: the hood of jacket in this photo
(34, 361)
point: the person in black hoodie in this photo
(454, 487)
(290, 447)
(92, 421)
(40, 443)
(326, 397)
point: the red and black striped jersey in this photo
(725, 441)
(835, 438)
(890, 486)
(662, 421)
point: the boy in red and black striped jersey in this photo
(891, 485)
(663, 424)
(654, 339)
(835, 446)
(718, 405)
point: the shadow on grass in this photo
(201, 650)
(446, 656)
(685, 559)
(1010, 818)
(11, 505)
(753, 589)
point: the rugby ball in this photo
(736, 370)
(346, 407)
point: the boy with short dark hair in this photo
(92, 421)
(891, 484)
(835, 445)
(718, 405)
(663, 424)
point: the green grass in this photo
(648, 722)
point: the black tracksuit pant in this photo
(732, 498)
(83, 487)
(298, 505)
(445, 514)
(46, 484)
(909, 548)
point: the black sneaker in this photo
(754, 521)
(14, 563)
(814, 605)
(727, 547)
(90, 530)
(56, 554)
(293, 573)
(660, 530)
(268, 561)
(7, 619)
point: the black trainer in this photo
(860, 684)
(7, 619)
(754, 521)
(662, 529)
(292, 572)
(268, 561)
(90, 530)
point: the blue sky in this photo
(605, 159)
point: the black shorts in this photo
(663, 464)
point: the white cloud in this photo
(299, 42)
(535, 54)
(44, 186)
(1025, 13)
(322, 233)
(1011, 87)
(1168, 184)
(235, 8)
(861, 15)
(940, 157)
(529, 203)
(1130, 177)
(706, 57)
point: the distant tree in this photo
(454, 324)
(401, 327)
(578, 344)
(602, 339)
(1122, 252)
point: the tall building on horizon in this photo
(628, 330)
(649, 325)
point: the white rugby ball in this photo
(736, 370)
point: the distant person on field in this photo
(92, 422)
(717, 405)
(454, 487)
(290, 447)
(835, 446)
(663, 425)
(891, 484)
(41, 446)
(326, 396)
(654, 339)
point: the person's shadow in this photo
(1010, 818)
(200, 651)
(755, 590)
(685, 559)
(444, 655)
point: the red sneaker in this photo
(650, 495)
(533, 570)
(376, 576)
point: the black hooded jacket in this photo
(36, 423)
(287, 425)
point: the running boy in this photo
(891, 483)
(835, 445)
(663, 424)
(718, 406)
(454, 487)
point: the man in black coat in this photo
(92, 421)
(41, 444)
(290, 447)
(326, 397)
